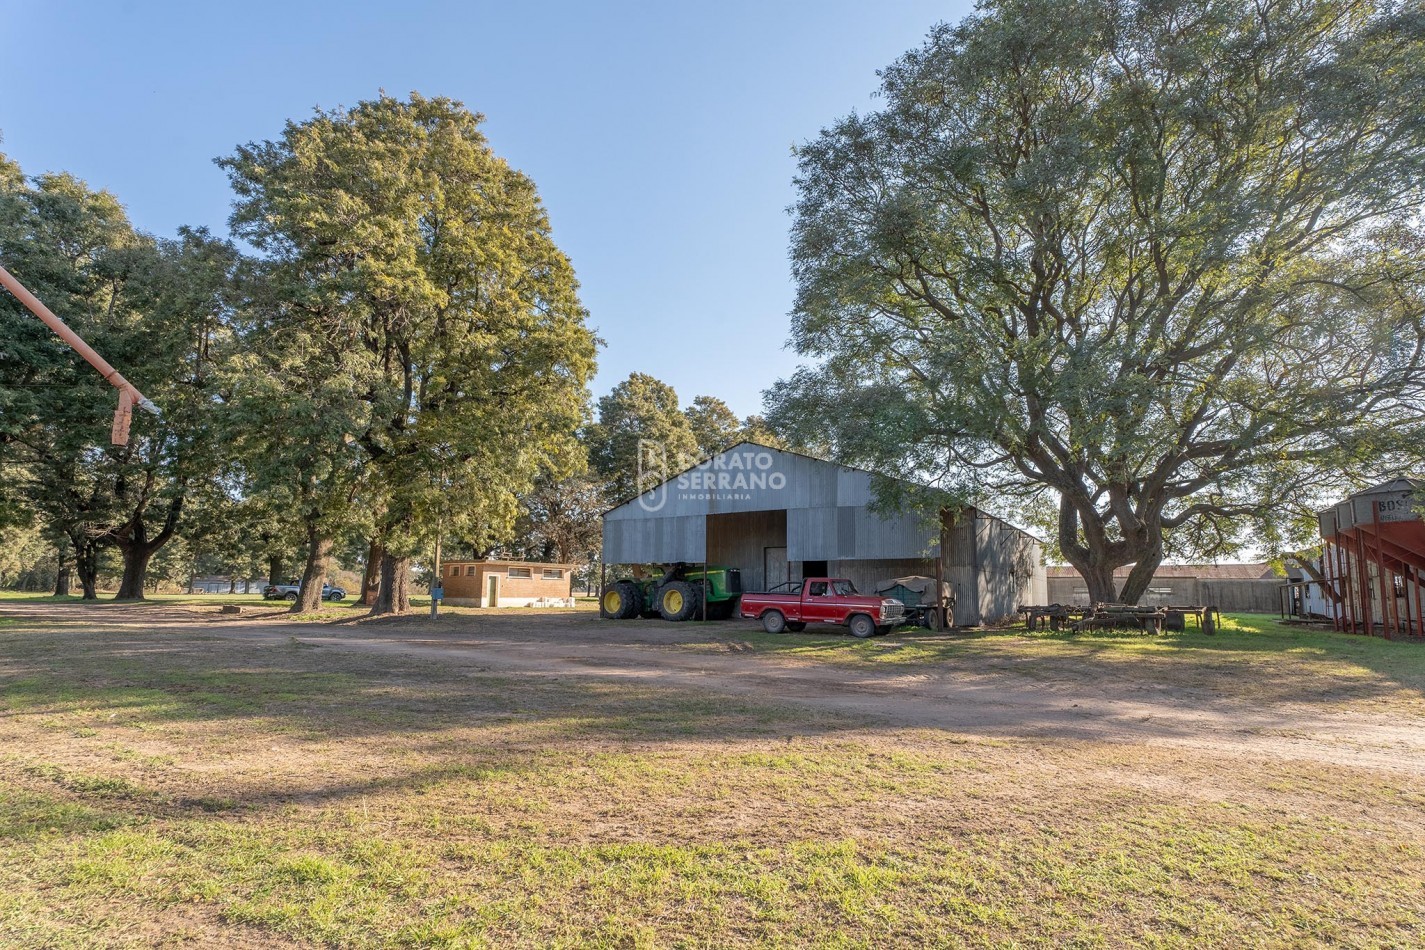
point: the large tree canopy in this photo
(154, 308)
(414, 273)
(641, 437)
(1156, 262)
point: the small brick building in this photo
(507, 584)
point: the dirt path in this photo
(959, 697)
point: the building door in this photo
(493, 599)
(774, 567)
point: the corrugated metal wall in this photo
(751, 498)
(827, 508)
(1232, 595)
(741, 540)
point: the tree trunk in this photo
(86, 563)
(136, 560)
(61, 575)
(319, 551)
(1098, 577)
(395, 594)
(133, 542)
(275, 570)
(1140, 577)
(371, 579)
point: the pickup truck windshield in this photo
(844, 588)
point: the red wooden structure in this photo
(1374, 560)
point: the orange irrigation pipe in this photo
(129, 396)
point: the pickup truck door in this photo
(818, 603)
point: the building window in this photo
(453, 570)
(518, 572)
(470, 571)
(553, 574)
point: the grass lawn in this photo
(162, 787)
(1252, 656)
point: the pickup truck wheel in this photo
(862, 626)
(796, 626)
(679, 601)
(290, 595)
(774, 622)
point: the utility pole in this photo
(437, 585)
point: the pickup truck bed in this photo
(821, 600)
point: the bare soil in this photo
(1065, 698)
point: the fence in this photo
(1233, 596)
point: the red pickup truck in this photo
(793, 605)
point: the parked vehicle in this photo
(917, 593)
(793, 605)
(292, 591)
(676, 595)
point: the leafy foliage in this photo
(1157, 265)
(153, 307)
(415, 289)
(641, 410)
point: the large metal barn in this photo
(780, 516)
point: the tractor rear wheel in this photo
(621, 601)
(679, 601)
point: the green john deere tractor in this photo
(676, 595)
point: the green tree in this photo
(402, 247)
(1154, 263)
(141, 303)
(562, 520)
(640, 414)
(714, 425)
(758, 429)
(292, 404)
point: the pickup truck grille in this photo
(893, 611)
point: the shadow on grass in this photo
(280, 686)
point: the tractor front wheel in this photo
(679, 601)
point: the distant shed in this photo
(1233, 587)
(507, 583)
(778, 516)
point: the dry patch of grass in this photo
(1253, 658)
(175, 787)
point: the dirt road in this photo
(979, 695)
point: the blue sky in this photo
(659, 134)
